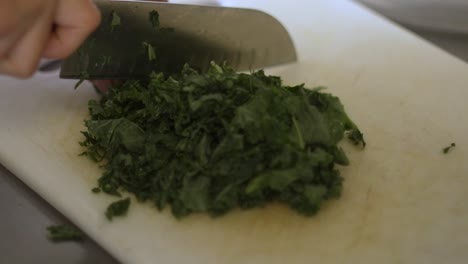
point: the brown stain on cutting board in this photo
(59, 122)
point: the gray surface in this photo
(25, 215)
(24, 219)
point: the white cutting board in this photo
(403, 201)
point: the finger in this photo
(7, 43)
(22, 60)
(14, 24)
(74, 21)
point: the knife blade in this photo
(120, 47)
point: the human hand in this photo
(31, 29)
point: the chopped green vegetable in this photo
(83, 77)
(115, 20)
(149, 51)
(447, 149)
(357, 137)
(154, 18)
(118, 208)
(104, 60)
(219, 140)
(61, 233)
(96, 190)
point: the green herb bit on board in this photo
(357, 137)
(448, 148)
(118, 208)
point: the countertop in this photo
(25, 215)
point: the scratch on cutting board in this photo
(360, 228)
(41, 146)
(357, 77)
(69, 140)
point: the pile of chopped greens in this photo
(212, 142)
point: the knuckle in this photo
(23, 71)
(24, 74)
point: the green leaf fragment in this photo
(150, 51)
(195, 194)
(84, 75)
(154, 18)
(62, 233)
(357, 137)
(115, 20)
(118, 208)
(315, 194)
(104, 60)
(300, 139)
(448, 148)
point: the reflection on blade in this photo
(246, 39)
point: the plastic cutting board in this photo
(403, 200)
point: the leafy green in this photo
(154, 18)
(118, 208)
(448, 148)
(104, 60)
(61, 233)
(150, 51)
(357, 137)
(115, 20)
(84, 75)
(219, 140)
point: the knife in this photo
(128, 44)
